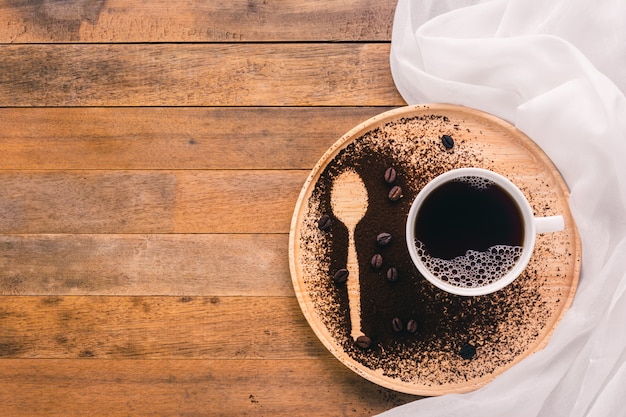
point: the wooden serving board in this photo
(502, 328)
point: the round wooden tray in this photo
(503, 327)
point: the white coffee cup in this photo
(459, 275)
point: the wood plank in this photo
(189, 387)
(173, 138)
(178, 265)
(223, 201)
(194, 21)
(312, 74)
(155, 328)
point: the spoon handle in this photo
(354, 288)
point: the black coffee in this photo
(469, 231)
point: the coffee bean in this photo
(392, 274)
(377, 261)
(383, 239)
(467, 351)
(447, 141)
(397, 325)
(395, 193)
(341, 276)
(411, 326)
(390, 175)
(324, 222)
(363, 342)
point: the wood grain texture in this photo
(163, 21)
(189, 388)
(152, 264)
(352, 74)
(155, 327)
(194, 201)
(172, 138)
(151, 155)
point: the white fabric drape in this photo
(557, 70)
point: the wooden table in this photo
(151, 155)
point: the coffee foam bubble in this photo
(479, 183)
(475, 268)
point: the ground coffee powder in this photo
(452, 338)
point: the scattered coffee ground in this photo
(414, 331)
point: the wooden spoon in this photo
(348, 199)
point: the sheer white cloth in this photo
(557, 70)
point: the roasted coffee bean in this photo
(341, 276)
(467, 351)
(397, 325)
(395, 193)
(411, 326)
(392, 274)
(377, 261)
(447, 141)
(363, 342)
(383, 239)
(324, 222)
(390, 175)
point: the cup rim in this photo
(527, 217)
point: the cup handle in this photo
(549, 224)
